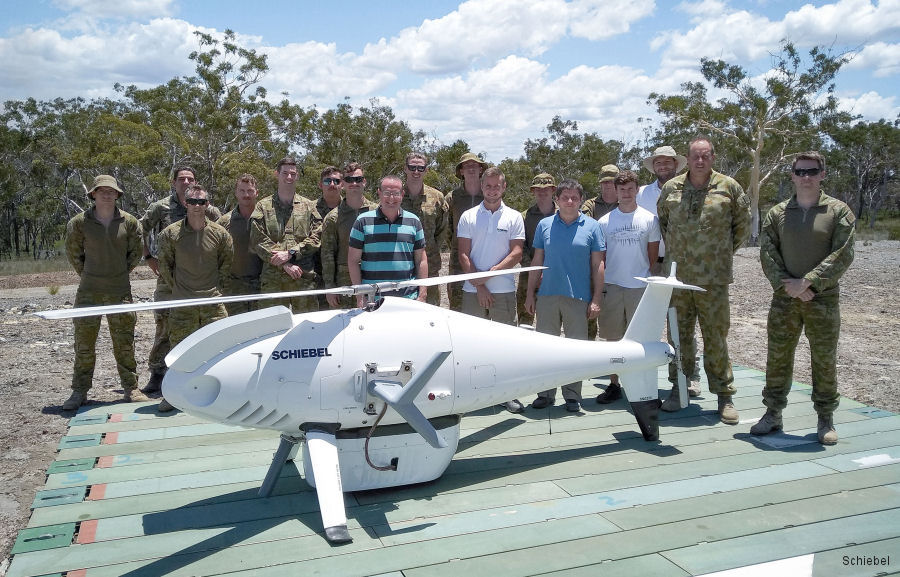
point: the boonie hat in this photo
(105, 180)
(543, 180)
(467, 157)
(680, 161)
(608, 172)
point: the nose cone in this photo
(202, 390)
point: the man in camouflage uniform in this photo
(159, 215)
(335, 234)
(282, 235)
(429, 205)
(103, 245)
(806, 246)
(542, 188)
(459, 200)
(246, 266)
(195, 257)
(330, 181)
(704, 217)
(597, 208)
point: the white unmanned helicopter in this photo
(329, 378)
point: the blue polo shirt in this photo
(567, 255)
(388, 247)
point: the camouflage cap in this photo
(467, 157)
(680, 161)
(609, 172)
(105, 180)
(543, 180)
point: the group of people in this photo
(592, 250)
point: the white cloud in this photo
(871, 105)
(600, 19)
(848, 21)
(881, 57)
(119, 8)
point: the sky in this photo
(491, 72)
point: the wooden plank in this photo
(165, 444)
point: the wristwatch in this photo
(293, 253)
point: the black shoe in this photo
(542, 402)
(155, 383)
(612, 393)
(573, 406)
(513, 406)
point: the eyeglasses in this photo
(801, 172)
(196, 201)
(354, 179)
(416, 168)
(331, 181)
(391, 193)
(541, 182)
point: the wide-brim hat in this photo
(543, 180)
(608, 172)
(467, 157)
(680, 161)
(105, 180)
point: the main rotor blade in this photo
(345, 290)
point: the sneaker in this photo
(542, 402)
(155, 383)
(75, 400)
(769, 422)
(135, 396)
(165, 406)
(612, 393)
(727, 412)
(673, 403)
(694, 389)
(573, 406)
(513, 406)
(827, 434)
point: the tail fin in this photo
(649, 318)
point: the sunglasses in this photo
(354, 179)
(801, 172)
(330, 181)
(196, 201)
(542, 182)
(415, 168)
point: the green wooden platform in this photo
(137, 493)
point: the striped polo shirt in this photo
(388, 247)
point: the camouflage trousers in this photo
(820, 319)
(276, 281)
(241, 285)
(455, 293)
(525, 318)
(711, 309)
(121, 332)
(185, 320)
(161, 347)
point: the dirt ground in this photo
(36, 359)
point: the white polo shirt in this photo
(491, 233)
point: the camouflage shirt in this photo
(458, 202)
(597, 207)
(532, 217)
(335, 238)
(161, 214)
(246, 264)
(194, 263)
(814, 243)
(104, 255)
(703, 227)
(276, 226)
(431, 208)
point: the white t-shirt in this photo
(627, 235)
(490, 233)
(646, 198)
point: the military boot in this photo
(694, 389)
(769, 422)
(74, 401)
(673, 403)
(164, 406)
(155, 383)
(727, 413)
(827, 434)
